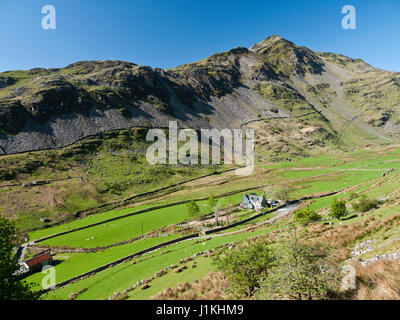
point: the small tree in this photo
(246, 267)
(217, 213)
(193, 209)
(11, 288)
(301, 272)
(229, 209)
(338, 208)
(282, 193)
(306, 216)
(212, 202)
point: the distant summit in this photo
(267, 42)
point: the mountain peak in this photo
(287, 57)
(267, 42)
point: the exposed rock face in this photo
(6, 81)
(12, 116)
(56, 97)
(48, 108)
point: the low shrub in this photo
(365, 204)
(353, 195)
(306, 216)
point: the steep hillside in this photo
(48, 108)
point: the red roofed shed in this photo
(39, 261)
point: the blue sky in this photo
(162, 33)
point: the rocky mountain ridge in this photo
(50, 108)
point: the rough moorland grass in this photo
(378, 281)
(387, 239)
(76, 202)
(365, 204)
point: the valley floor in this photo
(99, 239)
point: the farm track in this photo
(344, 128)
(285, 211)
(360, 169)
(32, 184)
(277, 118)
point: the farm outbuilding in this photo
(37, 262)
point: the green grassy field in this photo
(74, 264)
(105, 283)
(122, 229)
(83, 222)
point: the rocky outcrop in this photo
(370, 245)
